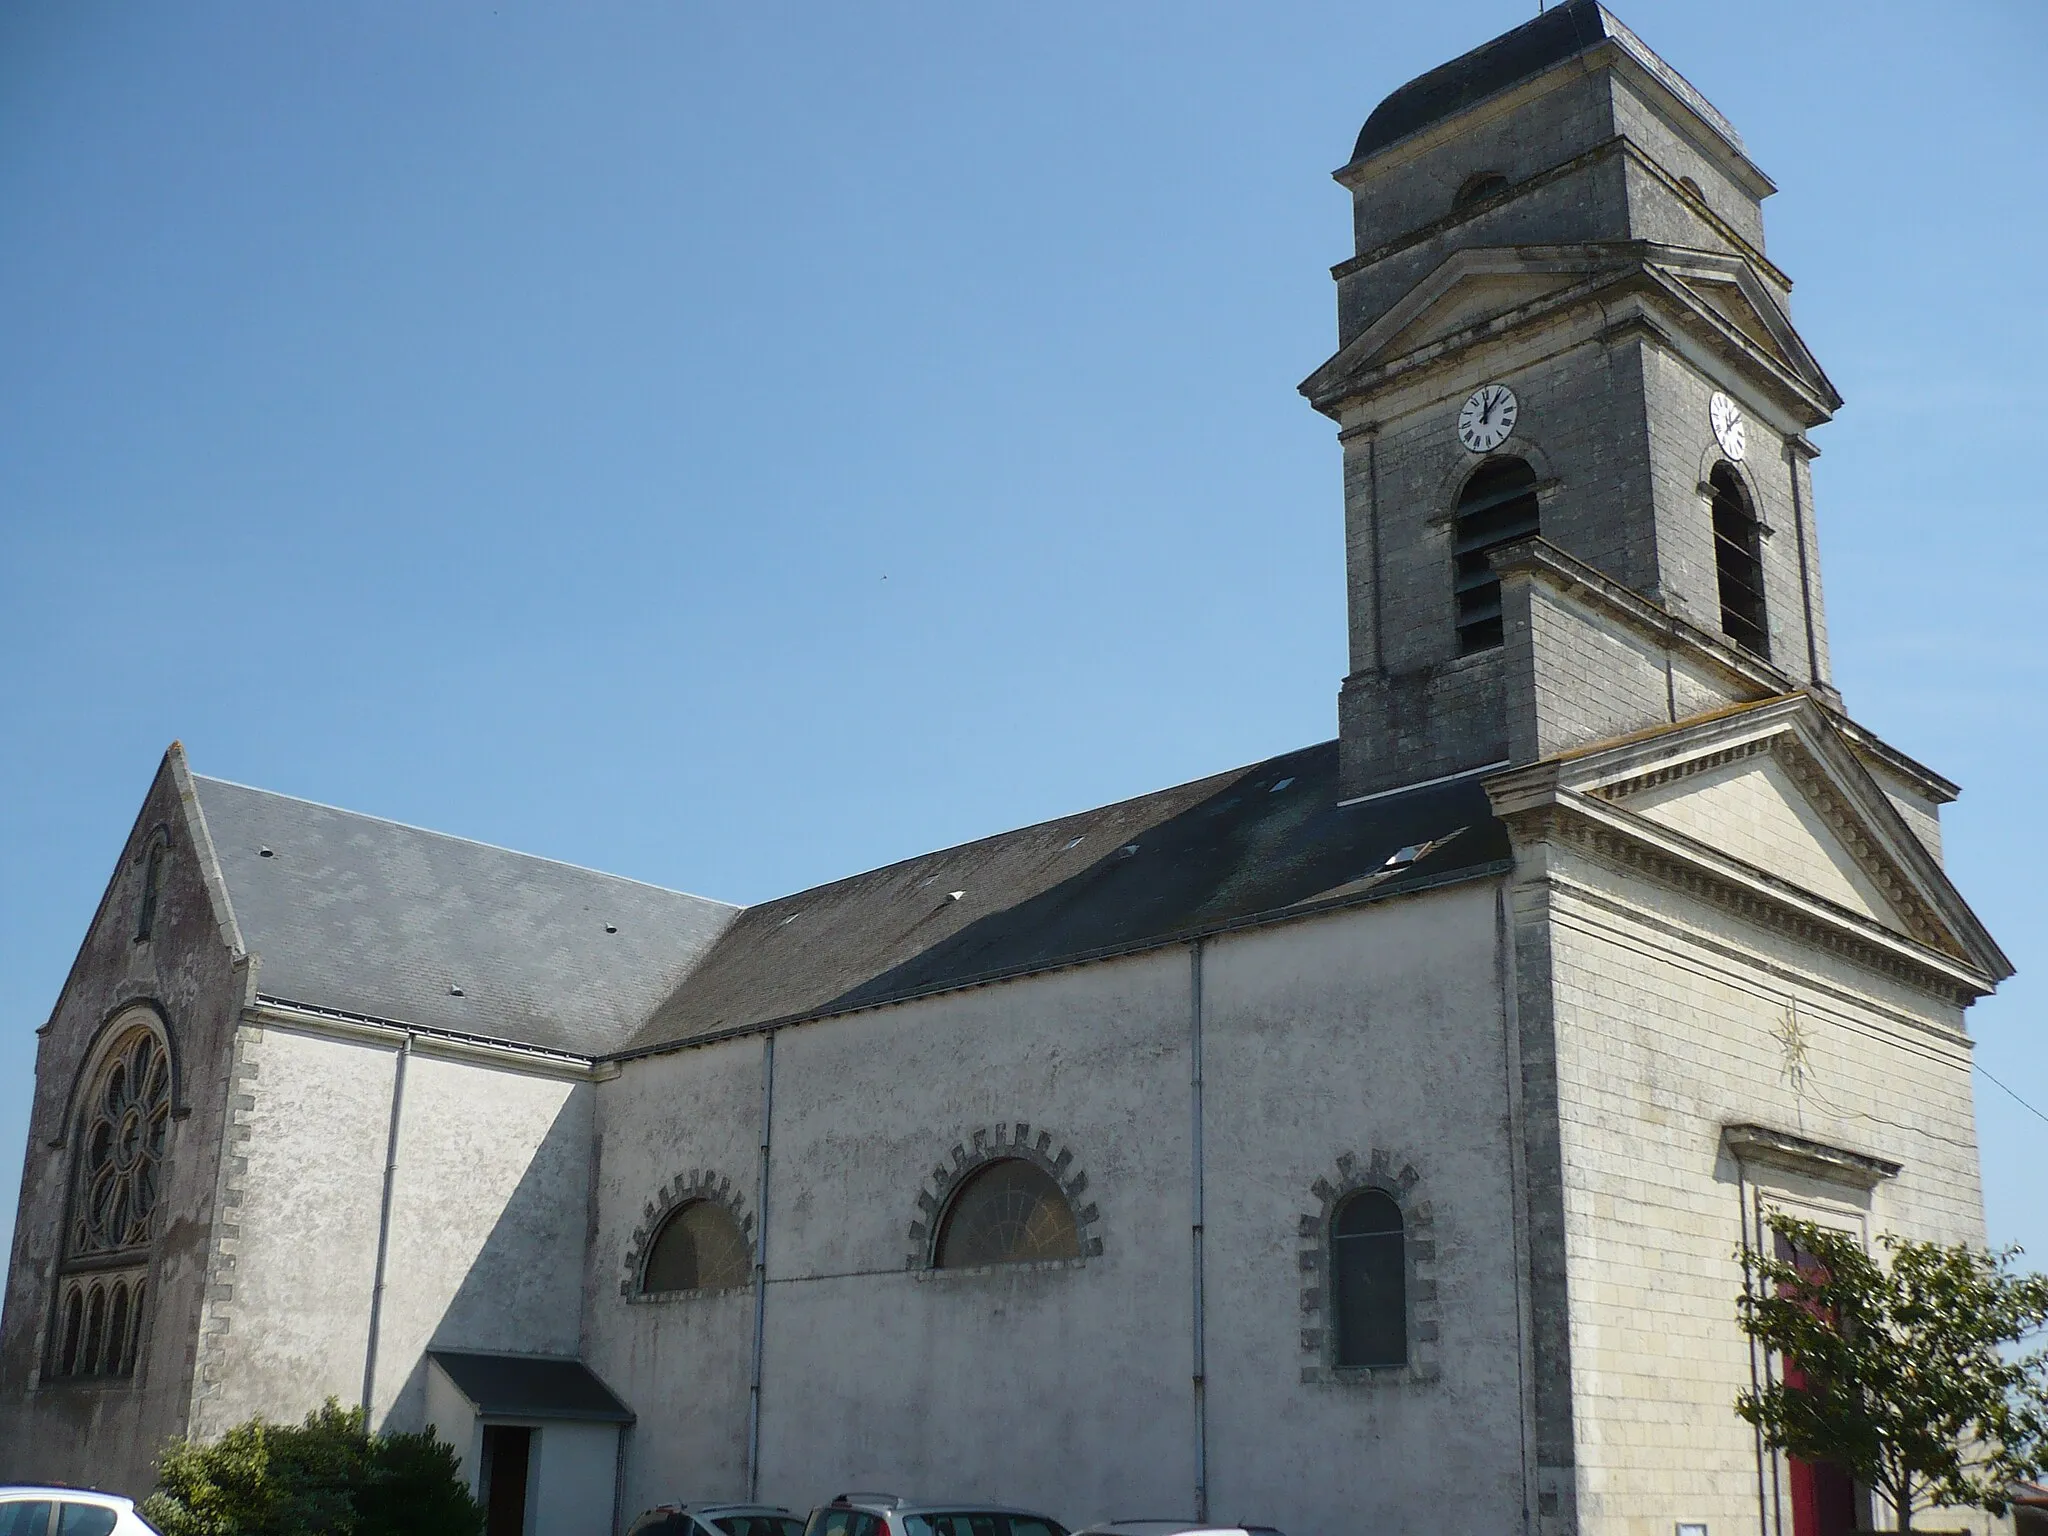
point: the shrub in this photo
(327, 1475)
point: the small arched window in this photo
(1478, 188)
(1369, 1279)
(1010, 1212)
(699, 1248)
(1738, 562)
(1497, 507)
(152, 884)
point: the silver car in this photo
(31, 1511)
(888, 1514)
(716, 1520)
(1174, 1528)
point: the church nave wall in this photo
(1369, 1041)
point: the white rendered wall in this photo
(574, 1479)
(1068, 1387)
(305, 1258)
(487, 1224)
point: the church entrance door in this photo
(508, 1453)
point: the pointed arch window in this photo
(1369, 1279)
(1738, 562)
(1496, 508)
(118, 1143)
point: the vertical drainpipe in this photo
(1201, 1383)
(760, 1268)
(384, 1225)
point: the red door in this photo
(1824, 1499)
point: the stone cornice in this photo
(1750, 1144)
(1632, 843)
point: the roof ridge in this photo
(456, 837)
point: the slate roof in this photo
(1562, 33)
(366, 916)
(531, 1386)
(1256, 842)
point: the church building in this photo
(1359, 1140)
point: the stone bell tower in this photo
(1573, 411)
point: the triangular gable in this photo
(1468, 286)
(1777, 790)
(1729, 288)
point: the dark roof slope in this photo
(364, 916)
(1253, 842)
(531, 1386)
(1559, 34)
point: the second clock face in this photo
(1725, 416)
(1488, 417)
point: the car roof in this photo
(896, 1504)
(1167, 1528)
(59, 1491)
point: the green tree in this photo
(326, 1477)
(1908, 1371)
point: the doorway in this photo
(507, 1454)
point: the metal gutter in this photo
(760, 1268)
(1201, 1362)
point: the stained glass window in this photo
(1010, 1212)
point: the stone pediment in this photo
(1770, 803)
(1477, 293)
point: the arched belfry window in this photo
(1009, 1212)
(122, 1124)
(700, 1247)
(1480, 187)
(1738, 562)
(1496, 508)
(1369, 1281)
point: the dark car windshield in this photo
(971, 1522)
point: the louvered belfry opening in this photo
(1738, 557)
(1497, 507)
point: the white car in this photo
(26, 1510)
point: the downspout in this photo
(1518, 1176)
(384, 1224)
(1201, 1383)
(760, 1268)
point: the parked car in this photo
(1174, 1528)
(53, 1511)
(887, 1514)
(715, 1520)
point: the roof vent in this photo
(611, 927)
(1280, 786)
(1075, 842)
(1403, 857)
(955, 895)
(455, 991)
(265, 853)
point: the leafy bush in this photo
(326, 1477)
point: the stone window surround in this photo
(1397, 1179)
(1009, 1140)
(135, 1267)
(699, 1184)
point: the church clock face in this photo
(1726, 417)
(1488, 417)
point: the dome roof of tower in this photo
(1561, 33)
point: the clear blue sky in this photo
(735, 446)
